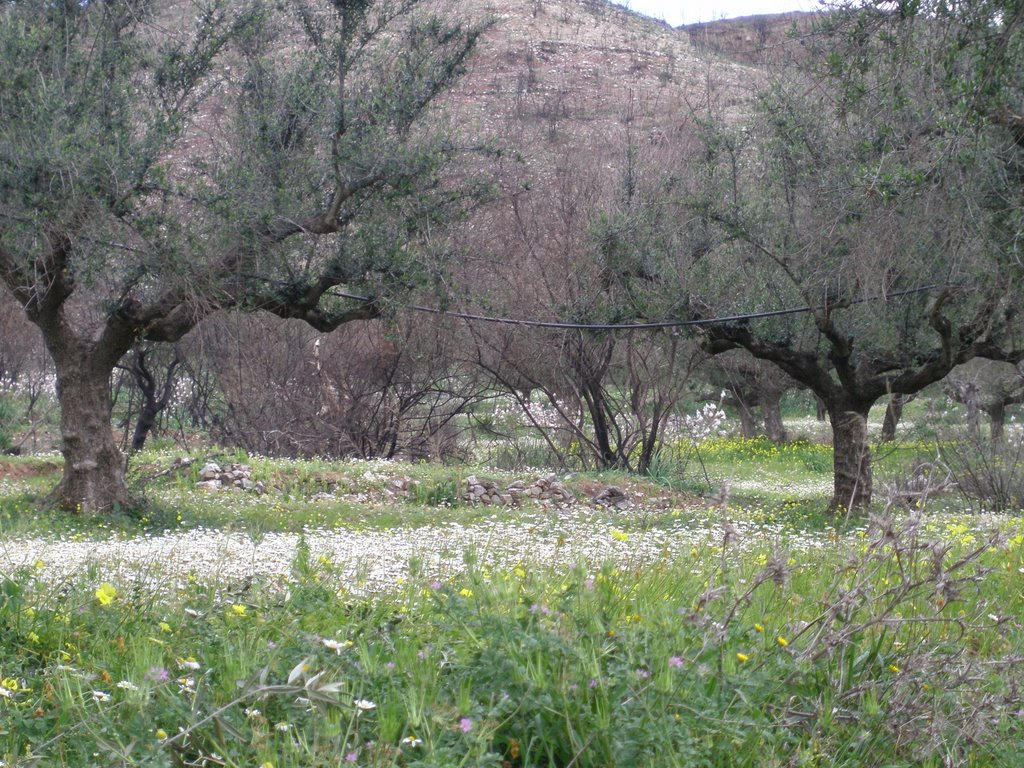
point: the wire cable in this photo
(558, 325)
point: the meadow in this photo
(366, 614)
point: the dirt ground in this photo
(14, 470)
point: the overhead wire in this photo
(660, 324)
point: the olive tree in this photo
(161, 162)
(881, 189)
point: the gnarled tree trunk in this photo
(771, 406)
(851, 456)
(94, 468)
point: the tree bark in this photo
(997, 416)
(94, 468)
(771, 406)
(748, 422)
(851, 457)
(893, 414)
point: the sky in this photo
(677, 12)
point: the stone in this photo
(210, 471)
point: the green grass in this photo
(896, 646)
(711, 662)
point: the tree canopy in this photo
(162, 162)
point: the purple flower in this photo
(352, 756)
(158, 675)
(589, 584)
(435, 584)
(643, 674)
(676, 662)
(465, 725)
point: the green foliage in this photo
(7, 421)
(716, 661)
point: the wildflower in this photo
(618, 535)
(165, 627)
(351, 757)
(759, 628)
(239, 610)
(643, 674)
(106, 593)
(675, 662)
(364, 705)
(283, 727)
(412, 741)
(252, 712)
(742, 657)
(466, 592)
(8, 687)
(267, 764)
(33, 638)
(158, 675)
(783, 642)
(465, 725)
(160, 734)
(100, 696)
(127, 685)
(894, 669)
(335, 645)
(190, 663)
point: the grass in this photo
(751, 632)
(712, 660)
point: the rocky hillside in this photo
(767, 39)
(583, 68)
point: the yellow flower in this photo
(165, 627)
(106, 594)
(894, 669)
(466, 592)
(33, 637)
(742, 657)
(758, 628)
(619, 535)
(783, 642)
(160, 734)
(267, 764)
(239, 609)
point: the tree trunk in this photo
(997, 416)
(851, 457)
(820, 409)
(771, 405)
(893, 414)
(748, 424)
(94, 468)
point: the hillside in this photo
(754, 40)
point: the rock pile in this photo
(613, 496)
(542, 489)
(485, 492)
(213, 478)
